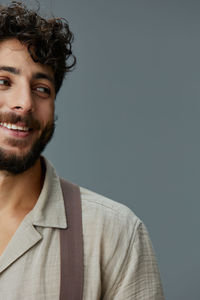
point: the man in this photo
(118, 260)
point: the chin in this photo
(19, 160)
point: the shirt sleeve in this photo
(135, 274)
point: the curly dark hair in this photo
(49, 41)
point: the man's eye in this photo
(4, 82)
(44, 90)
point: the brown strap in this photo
(71, 245)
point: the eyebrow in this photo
(10, 70)
(40, 75)
(37, 75)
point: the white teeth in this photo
(14, 127)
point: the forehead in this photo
(15, 54)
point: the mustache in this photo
(28, 120)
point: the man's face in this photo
(26, 107)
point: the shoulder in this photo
(105, 206)
(117, 248)
(103, 214)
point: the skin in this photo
(23, 91)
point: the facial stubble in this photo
(16, 164)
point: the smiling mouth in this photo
(15, 127)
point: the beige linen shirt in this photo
(119, 262)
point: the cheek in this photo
(46, 113)
(6, 98)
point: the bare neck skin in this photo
(19, 193)
(18, 196)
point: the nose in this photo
(22, 101)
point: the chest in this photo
(32, 266)
(8, 227)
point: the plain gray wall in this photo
(129, 120)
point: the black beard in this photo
(15, 164)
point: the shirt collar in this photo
(49, 210)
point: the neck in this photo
(20, 192)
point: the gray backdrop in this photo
(129, 120)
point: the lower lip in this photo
(16, 133)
